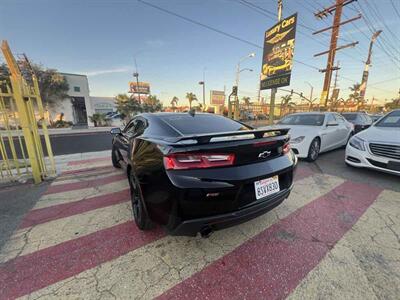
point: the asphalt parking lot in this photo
(335, 237)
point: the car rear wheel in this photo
(314, 149)
(140, 215)
(115, 158)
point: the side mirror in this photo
(115, 131)
(331, 124)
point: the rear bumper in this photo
(192, 227)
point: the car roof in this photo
(314, 113)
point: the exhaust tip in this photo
(206, 232)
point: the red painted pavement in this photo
(302, 172)
(26, 274)
(42, 215)
(272, 264)
(90, 160)
(66, 187)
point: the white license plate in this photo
(266, 187)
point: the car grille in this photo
(390, 151)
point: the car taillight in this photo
(286, 148)
(180, 161)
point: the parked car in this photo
(201, 172)
(360, 120)
(114, 120)
(316, 132)
(375, 117)
(262, 117)
(247, 115)
(378, 147)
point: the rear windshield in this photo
(202, 123)
(350, 117)
(303, 119)
(390, 120)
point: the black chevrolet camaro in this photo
(201, 172)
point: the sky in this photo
(102, 39)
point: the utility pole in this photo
(337, 8)
(364, 78)
(274, 90)
(136, 74)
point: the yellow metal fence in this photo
(25, 150)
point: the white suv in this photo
(378, 147)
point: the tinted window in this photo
(390, 120)
(368, 119)
(339, 118)
(330, 119)
(303, 119)
(350, 117)
(202, 123)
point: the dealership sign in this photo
(217, 97)
(139, 87)
(278, 53)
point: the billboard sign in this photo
(278, 54)
(139, 87)
(217, 97)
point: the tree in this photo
(285, 102)
(355, 95)
(53, 86)
(98, 119)
(152, 104)
(127, 106)
(191, 97)
(174, 102)
(246, 101)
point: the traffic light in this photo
(234, 90)
(291, 92)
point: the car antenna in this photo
(192, 112)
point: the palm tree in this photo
(355, 95)
(191, 97)
(174, 102)
(246, 101)
(285, 101)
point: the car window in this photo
(330, 119)
(129, 129)
(390, 120)
(368, 119)
(339, 118)
(140, 126)
(303, 119)
(350, 117)
(202, 123)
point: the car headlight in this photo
(357, 143)
(297, 140)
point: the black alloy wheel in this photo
(142, 220)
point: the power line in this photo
(213, 29)
(395, 9)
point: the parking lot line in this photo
(304, 237)
(364, 264)
(28, 240)
(158, 266)
(66, 187)
(39, 269)
(77, 195)
(46, 214)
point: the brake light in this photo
(286, 148)
(180, 161)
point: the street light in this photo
(238, 70)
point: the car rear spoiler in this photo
(236, 135)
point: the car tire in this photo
(115, 158)
(139, 211)
(313, 151)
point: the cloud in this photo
(107, 71)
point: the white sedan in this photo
(377, 147)
(315, 132)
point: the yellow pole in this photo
(17, 88)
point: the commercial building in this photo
(103, 105)
(77, 107)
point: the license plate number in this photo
(266, 187)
